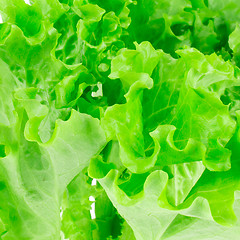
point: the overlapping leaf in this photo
(160, 132)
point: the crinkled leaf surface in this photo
(141, 95)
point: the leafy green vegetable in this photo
(141, 97)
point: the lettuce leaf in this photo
(141, 97)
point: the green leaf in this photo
(155, 21)
(141, 213)
(76, 219)
(124, 92)
(34, 175)
(234, 44)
